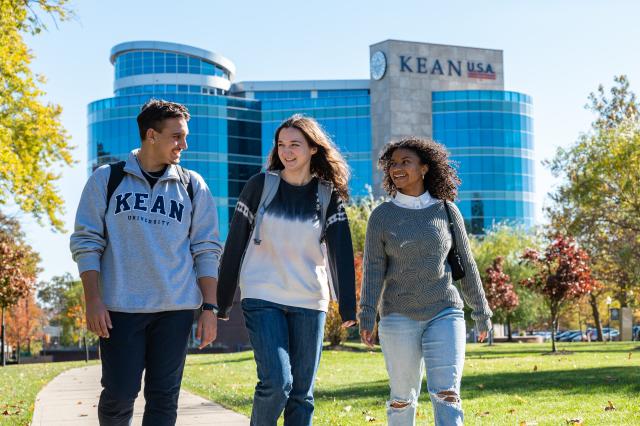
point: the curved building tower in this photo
(225, 132)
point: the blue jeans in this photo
(440, 343)
(287, 343)
(155, 343)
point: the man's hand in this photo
(348, 324)
(98, 319)
(207, 330)
(367, 338)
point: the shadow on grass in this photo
(500, 353)
(248, 357)
(603, 380)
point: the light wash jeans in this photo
(440, 343)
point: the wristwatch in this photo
(210, 307)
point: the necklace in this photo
(144, 172)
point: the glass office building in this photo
(489, 134)
(488, 130)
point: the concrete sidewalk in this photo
(72, 399)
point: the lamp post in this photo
(608, 302)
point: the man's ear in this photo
(150, 135)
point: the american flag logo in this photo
(482, 75)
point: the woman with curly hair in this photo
(275, 252)
(409, 264)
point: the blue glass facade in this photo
(156, 62)
(490, 135)
(344, 115)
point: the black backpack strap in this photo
(185, 178)
(116, 174)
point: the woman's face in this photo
(407, 171)
(294, 150)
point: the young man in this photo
(140, 252)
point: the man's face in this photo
(168, 144)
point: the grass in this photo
(506, 384)
(19, 385)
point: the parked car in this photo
(569, 336)
(608, 333)
(635, 332)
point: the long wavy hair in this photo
(327, 163)
(441, 180)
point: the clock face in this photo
(378, 65)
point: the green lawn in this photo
(19, 385)
(506, 384)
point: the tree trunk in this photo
(509, 338)
(18, 351)
(554, 325)
(596, 315)
(4, 361)
(86, 348)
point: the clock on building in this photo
(378, 65)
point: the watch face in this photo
(378, 65)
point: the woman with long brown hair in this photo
(275, 252)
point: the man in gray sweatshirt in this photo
(147, 248)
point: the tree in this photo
(52, 294)
(32, 140)
(599, 199)
(500, 294)
(562, 274)
(509, 242)
(23, 324)
(18, 269)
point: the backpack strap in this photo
(185, 178)
(325, 189)
(116, 174)
(269, 189)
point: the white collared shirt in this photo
(411, 202)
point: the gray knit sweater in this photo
(406, 269)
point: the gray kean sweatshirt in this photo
(151, 244)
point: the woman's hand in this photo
(482, 336)
(367, 338)
(348, 324)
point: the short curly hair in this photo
(441, 180)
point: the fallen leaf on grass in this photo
(576, 421)
(480, 386)
(528, 423)
(6, 413)
(519, 399)
(370, 419)
(609, 407)
(512, 411)
(483, 414)
(347, 408)
(629, 355)
(535, 368)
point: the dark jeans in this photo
(287, 343)
(156, 343)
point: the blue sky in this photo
(555, 51)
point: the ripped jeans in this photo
(440, 343)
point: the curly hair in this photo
(327, 163)
(441, 180)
